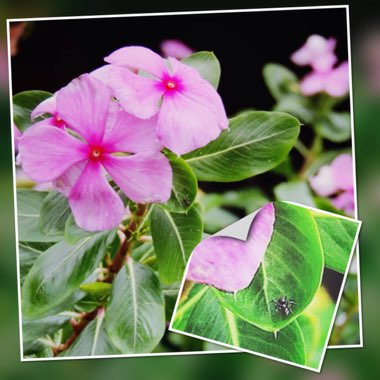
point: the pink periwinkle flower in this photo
(99, 136)
(317, 52)
(230, 264)
(189, 112)
(16, 134)
(49, 106)
(334, 82)
(336, 181)
(176, 49)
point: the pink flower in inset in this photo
(49, 106)
(176, 49)
(230, 264)
(190, 112)
(336, 181)
(317, 52)
(98, 136)
(334, 82)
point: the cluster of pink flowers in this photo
(116, 121)
(337, 182)
(318, 53)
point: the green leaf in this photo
(93, 340)
(28, 254)
(184, 190)
(29, 203)
(37, 328)
(207, 65)
(73, 233)
(294, 191)
(255, 143)
(280, 80)
(337, 237)
(298, 106)
(175, 235)
(315, 323)
(54, 212)
(135, 316)
(97, 289)
(23, 105)
(335, 126)
(217, 218)
(203, 314)
(292, 267)
(59, 271)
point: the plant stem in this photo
(312, 154)
(113, 267)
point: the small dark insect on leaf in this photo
(283, 305)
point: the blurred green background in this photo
(339, 364)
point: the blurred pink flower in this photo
(76, 165)
(176, 49)
(230, 264)
(49, 106)
(336, 181)
(190, 112)
(317, 52)
(16, 134)
(334, 82)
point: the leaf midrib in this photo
(231, 148)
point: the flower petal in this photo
(312, 83)
(342, 168)
(139, 96)
(144, 177)
(68, 179)
(83, 105)
(129, 134)
(338, 81)
(217, 260)
(48, 106)
(346, 202)
(138, 58)
(95, 205)
(185, 125)
(176, 49)
(46, 152)
(324, 183)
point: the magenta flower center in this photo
(96, 153)
(170, 85)
(58, 122)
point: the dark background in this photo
(350, 364)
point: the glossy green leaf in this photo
(280, 80)
(54, 212)
(37, 328)
(29, 203)
(255, 143)
(97, 289)
(93, 340)
(292, 267)
(315, 323)
(294, 191)
(175, 235)
(184, 190)
(202, 313)
(23, 105)
(59, 271)
(135, 315)
(217, 218)
(207, 65)
(335, 126)
(337, 237)
(28, 254)
(298, 106)
(73, 233)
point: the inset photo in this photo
(273, 292)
